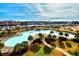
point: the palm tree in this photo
(30, 38)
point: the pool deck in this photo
(6, 50)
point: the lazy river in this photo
(11, 42)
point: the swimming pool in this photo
(11, 42)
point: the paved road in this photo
(64, 52)
(46, 43)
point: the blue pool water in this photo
(24, 37)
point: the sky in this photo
(39, 11)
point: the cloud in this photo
(58, 10)
(35, 11)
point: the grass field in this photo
(39, 53)
(74, 47)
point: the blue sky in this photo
(39, 11)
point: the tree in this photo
(1, 45)
(0, 53)
(62, 39)
(54, 36)
(48, 40)
(77, 34)
(35, 48)
(25, 47)
(60, 33)
(24, 44)
(20, 48)
(66, 34)
(47, 50)
(51, 32)
(76, 39)
(30, 38)
(49, 36)
(41, 36)
(37, 40)
(2, 33)
(17, 49)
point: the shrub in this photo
(47, 50)
(68, 45)
(61, 44)
(35, 48)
